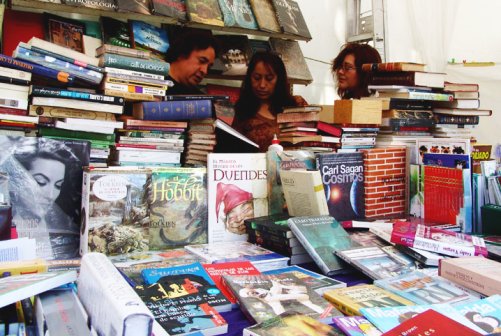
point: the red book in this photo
(430, 323)
(329, 129)
(12, 111)
(20, 26)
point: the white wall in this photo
(430, 31)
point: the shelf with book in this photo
(42, 6)
(217, 77)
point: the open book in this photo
(230, 140)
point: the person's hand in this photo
(300, 101)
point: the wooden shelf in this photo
(241, 78)
(42, 6)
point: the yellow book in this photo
(349, 300)
(8, 268)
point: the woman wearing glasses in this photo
(352, 82)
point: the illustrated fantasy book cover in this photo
(192, 278)
(144, 36)
(115, 211)
(343, 180)
(290, 18)
(45, 181)
(321, 236)
(178, 207)
(351, 299)
(237, 13)
(172, 8)
(264, 296)
(64, 32)
(265, 15)
(236, 191)
(293, 58)
(421, 288)
(356, 326)
(115, 32)
(205, 11)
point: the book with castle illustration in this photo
(45, 179)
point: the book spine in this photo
(16, 81)
(61, 76)
(112, 49)
(40, 91)
(13, 111)
(375, 67)
(409, 104)
(393, 78)
(396, 123)
(467, 120)
(297, 116)
(58, 112)
(131, 63)
(195, 97)
(66, 59)
(431, 96)
(14, 73)
(134, 80)
(57, 64)
(134, 89)
(309, 248)
(53, 132)
(112, 71)
(471, 280)
(130, 95)
(176, 110)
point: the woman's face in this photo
(263, 81)
(49, 174)
(347, 76)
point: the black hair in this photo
(184, 43)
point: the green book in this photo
(133, 63)
(62, 133)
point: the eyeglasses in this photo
(347, 67)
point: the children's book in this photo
(261, 258)
(485, 313)
(423, 289)
(350, 300)
(192, 278)
(356, 326)
(264, 296)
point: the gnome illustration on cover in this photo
(233, 206)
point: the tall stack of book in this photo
(456, 118)
(407, 91)
(132, 74)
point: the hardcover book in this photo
(393, 66)
(191, 278)
(291, 323)
(293, 58)
(151, 66)
(222, 252)
(272, 224)
(134, 6)
(104, 5)
(237, 13)
(355, 326)
(64, 32)
(321, 236)
(424, 289)
(144, 36)
(343, 183)
(178, 207)
(237, 190)
(290, 18)
(205, 11)
(264, 296)
(115, 211)
(234, 54)
(115, 32)
(485, 313)
(265, 15)
(172, 8)
(350, 300)
(48, 171)
(409, 78)
(173, 110)
(124, 312)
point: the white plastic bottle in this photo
(275, 145)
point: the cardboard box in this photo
(327, 114)
(354, 111)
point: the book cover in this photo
(115, 211)
(428, 322)
(205, 11)
(343, 183)
(284, 160)
(303, 192)
(459, 161)
(293, 58)
(264, 296)
(291, 323)
(485, 313)
(178, 207)
(423, 289)
(265, 15)
(222, 252)
(145, 36)
(191, 278)
(115, 32)
(18, 287)
(151, 66)
(234, 54)
(172, 8)
(387, 318)
(64, 32)
(48, 171)
(26, 25)
(216, 272)
(477, 273)
(104, 5)
(318, 282)
(273, 224)
(237, 190)
(100, 282)
(60, 76)
(133, 6)
(173, 110)
(320, 236)
(290, 18)
(461, 112)
(355, 326)
(350, 300)
(237, 13)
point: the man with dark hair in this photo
(190, 56)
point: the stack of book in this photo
(457, 118)
(201, 141)
(132, 74)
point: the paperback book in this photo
(356, 326)
(485, 313)
(290, 18)
(144, 36)
(205, 11)
(237, 13)
(265, 15)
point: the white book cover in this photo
(77, 104)
(84, 128)
(46, 45)
(237, 190)
(94, 123)
(112, 304)
(14, 73)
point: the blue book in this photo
(188, 279)
(447, 160)
(173, 110)
(238, 13)
(145, 36)
(66, 59)
(486, 313)
(387, 318)
(42, 71)
(23, 52)
(41, 91)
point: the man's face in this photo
(190, 71)
(237, 215)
